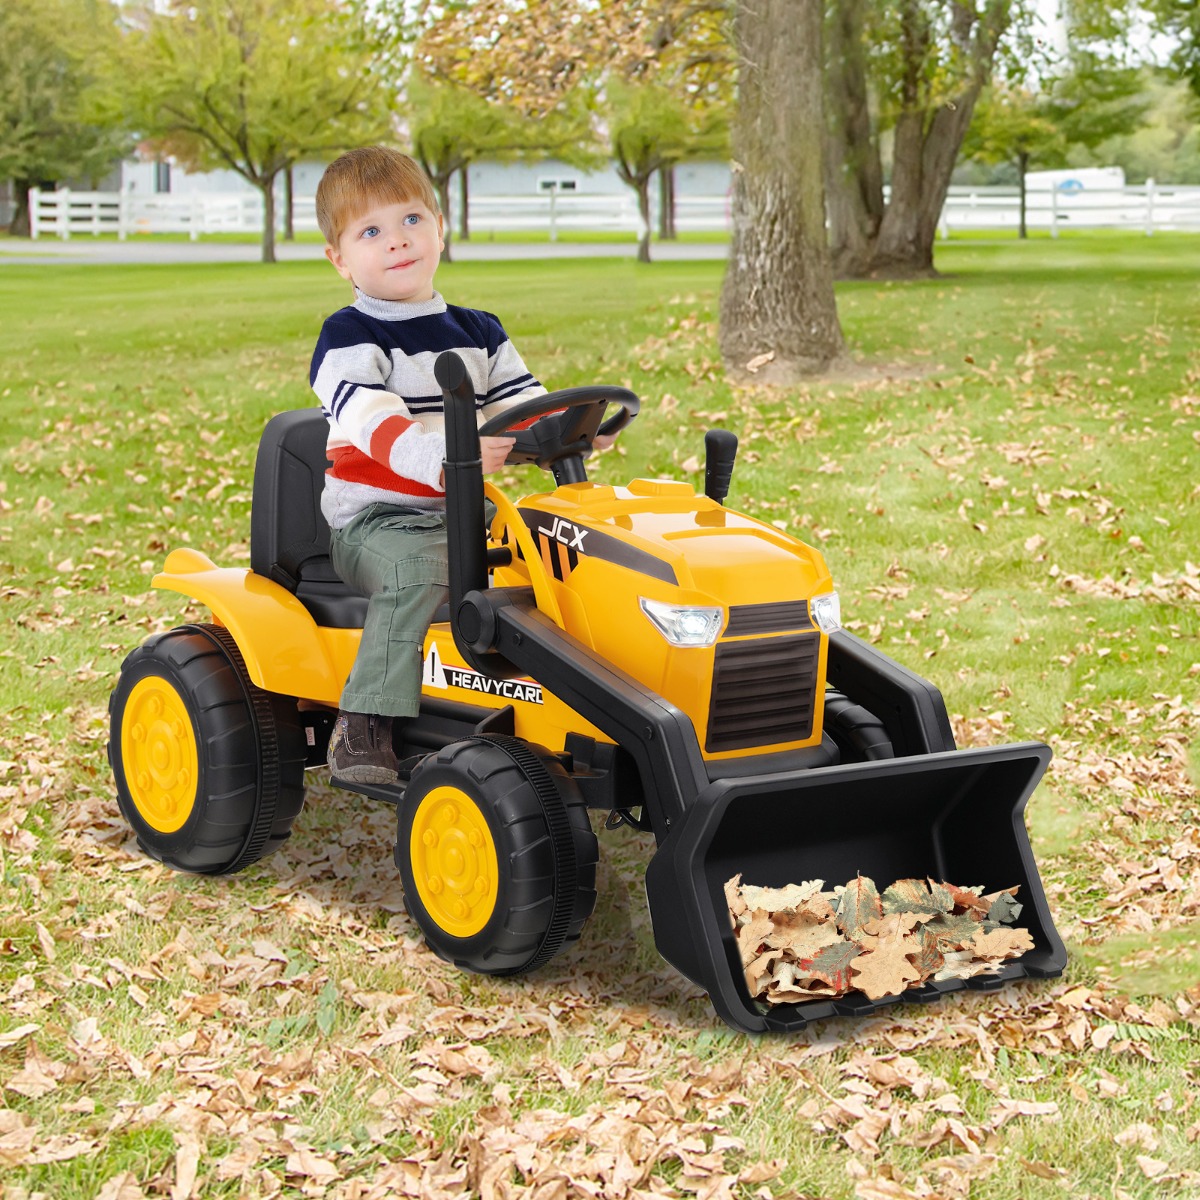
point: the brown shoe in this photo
(360, 750)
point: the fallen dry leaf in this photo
(799, 943)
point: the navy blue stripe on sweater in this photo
(504, 390)
(416, 335)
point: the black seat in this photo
(289, 537)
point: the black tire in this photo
(507, 908)
(209, 768)
(859, 734)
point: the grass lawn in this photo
(1003, 481)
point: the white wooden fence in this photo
(1147, 208)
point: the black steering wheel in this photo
(559, 441)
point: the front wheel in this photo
(209, 768)
(496, 855)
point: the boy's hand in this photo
(493, 451)
(602, 441)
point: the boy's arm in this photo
(348, 377)
(510, 381)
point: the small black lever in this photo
(720, 450)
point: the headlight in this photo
(826, 612)
(684, 625)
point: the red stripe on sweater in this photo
(385, 437)
(352, 465)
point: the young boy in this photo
(384, 493)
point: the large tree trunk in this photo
(778, 314)
(898, 240)
(854, 170)
(924, 161)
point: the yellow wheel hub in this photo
(158, 752)
(454, 861)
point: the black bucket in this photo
(954, 816)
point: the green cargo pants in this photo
(397, 557)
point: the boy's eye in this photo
(370, 231)
(412, 218)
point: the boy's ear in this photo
(339, 263)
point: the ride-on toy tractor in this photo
(640, 650)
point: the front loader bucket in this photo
(954, 816)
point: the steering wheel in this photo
(560, 440)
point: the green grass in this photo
(1002, 479)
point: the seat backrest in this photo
(289, 537)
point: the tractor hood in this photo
(663, 530)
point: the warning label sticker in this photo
(437, 674)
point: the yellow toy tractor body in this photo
(640, 650)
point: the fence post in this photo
(1149, 207)
(33, 199)
(1054, 210)
(124, 197)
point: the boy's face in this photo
(391, 251)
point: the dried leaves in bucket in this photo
(802, 943)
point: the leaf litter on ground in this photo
(801, 943)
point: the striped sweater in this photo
(372, 370)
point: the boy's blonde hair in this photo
(369, 175)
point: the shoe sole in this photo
(364, 774)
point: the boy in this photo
(384, 493)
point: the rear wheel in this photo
(496, 854)
(209, 768)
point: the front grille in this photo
(780, 617)
(763, 692)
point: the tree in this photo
(648, 132)
(1094, 99)
(254, 86)
(1165, 145)
(915, 69)
(657, 69)
(1179, 20)
(47, 132)
(778, 317)
(450, 126)
(1011, 125)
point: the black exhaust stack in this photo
(464, 480)
(720, 450)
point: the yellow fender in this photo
(284, 648)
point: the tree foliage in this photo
(450, 126)
(1180, 21)
(652, 76)
(48, 132)
(253, 85)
